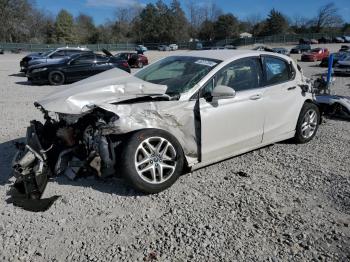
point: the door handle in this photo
(255, 97)
(291, 88)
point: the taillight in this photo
(125, 64)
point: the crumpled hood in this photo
(34, 55)
(111, 86)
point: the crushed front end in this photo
(73, 145)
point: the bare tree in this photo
(254, 19)
(299, 21)
(327, 16)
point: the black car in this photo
(43, 57)
(2, 51)
(300, 49)
(338, 40)
(325, 40)
(280, 50)
(304, 41)
(74, 68)
(344, 48)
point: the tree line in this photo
(22, 21)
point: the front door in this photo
(80, 68)
(233, 125)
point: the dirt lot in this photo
(289, 203)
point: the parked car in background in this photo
(213, 48)
(180, 113)
(304, 41)
(134, 59)
(16, 50)
(44, 57)
(344, 48)
(280, 50)
(195, 45)
(316, 54)
(263, 48)
(313, 41)
(336, 57)
(173, 47)
(338, 40)
(140, 49)
(163, 48)
(346, 39)
(342, 67)
(230, 47)
(2, 51)
(325, 40)
(73, 68)
(299, 49)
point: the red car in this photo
(134, 59)
(316, 54)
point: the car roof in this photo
(228, 54)
(73, 48)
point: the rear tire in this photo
(308, 122)
(152, 160)
(56, 78)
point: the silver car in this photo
(180, 113)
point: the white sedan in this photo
(184, 111)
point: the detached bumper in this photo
(30, 165)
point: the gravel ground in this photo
(284, 202)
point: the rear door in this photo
(283, 98)
(100, 64)
(80, 67)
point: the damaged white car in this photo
(180, 113)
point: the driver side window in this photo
(58, 54)
(84, 60)
(243, 74)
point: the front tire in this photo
(308, 123)
(152, 160)
(56, 78)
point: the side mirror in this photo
(221, 91)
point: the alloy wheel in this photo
(155, 160)
(309, 124)
(56, 78)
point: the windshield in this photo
(46, 53)
(178, 73)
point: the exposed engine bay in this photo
(58, 147)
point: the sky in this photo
(102, 10)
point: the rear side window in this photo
(84, 60)
(72, 52)
(101, 59)
(276, 70)
(58, 54)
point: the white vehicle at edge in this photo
(173, 47)
(187, 110)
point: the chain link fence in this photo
(275, 39)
